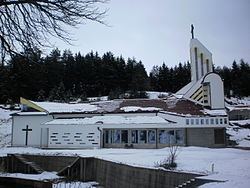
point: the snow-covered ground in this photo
(51, 176)
(237, 101)
(156, 95)
(5, 127)
(230, 165)
(240, 135)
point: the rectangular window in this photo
(196, 63)
(221, 121)
(163, 137)
(116, 136)
(207, 62)
(207, 121)
(134, 136)
(151, 136)
(187, 121)
(197, 121)
(212, 121)
(172, 138)
(142, 136)
(109, 136)
(124, 136)
(202, 121)
(202, 71)
(216, 121)
(225, 120)
(192, 121)
(179, 136)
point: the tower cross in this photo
(192, 30)
(27, 132)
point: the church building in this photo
(193, 116)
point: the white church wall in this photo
(201, 60)
(73, 136)
(216, 90)
(34, 122)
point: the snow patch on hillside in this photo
(5, 127)
(156, 95)
(240, 135)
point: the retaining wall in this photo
(113, 175)
(51, 163)
(110, 174)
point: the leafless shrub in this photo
(170, 161)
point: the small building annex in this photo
(194, 116)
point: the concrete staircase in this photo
(18, 163)
(188, 184)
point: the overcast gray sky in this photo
(157, 31)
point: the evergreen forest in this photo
(64, 76)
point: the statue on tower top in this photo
(192, 30)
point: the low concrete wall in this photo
(113, 175)
(3, 161)
(109, 174)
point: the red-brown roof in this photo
(179, 106)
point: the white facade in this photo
(201, 60)
(215, 91)
(73, 136)
(34, 122)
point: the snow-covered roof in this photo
(138, 108)
(53, 107)
(241, 122)
(181, 107)
(109, 120)
(221, 112)
(185, 89)
(30, 113)
(238, 107)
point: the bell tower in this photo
(201, 60)
(206, 87)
